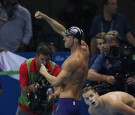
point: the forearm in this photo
(131, 39)
(51, 79)
(28, 89)
(55, 25)
(57, 91)
(94, 76)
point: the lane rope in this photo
(9, 72)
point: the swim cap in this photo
(75, 31)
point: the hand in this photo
(131, 80)
(39, 15)
(22, 47)
(51, 97)
(43, 70)
(33, 87)
(36, 85)
(111, 79)
(2, 49)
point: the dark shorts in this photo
(67, 106)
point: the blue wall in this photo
(11, 87)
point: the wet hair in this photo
(88, 88)
(101, 35)
(75, 32)
(44, 48)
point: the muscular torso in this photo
(77, 66)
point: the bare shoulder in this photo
(85, 48)
(118, 96)
(84, 45)
(69, 63)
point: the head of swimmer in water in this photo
(91, 97)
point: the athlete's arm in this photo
(53, 23)
(124, 109)
(55, 81)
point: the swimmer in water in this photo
(112, 103)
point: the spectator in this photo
(53, 47)
(111, 20)
(0, 88)
(15, 26)
(2, 49)
(101, 46)
(31, 81)
(106, 66)
(113, 103)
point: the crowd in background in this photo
(29, 32)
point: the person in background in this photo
(106, 66)
(15, 26)
(53, 47)
(110, 20)
(112, 103)
(30, 80)
(101, 46)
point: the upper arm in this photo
(24, 79)
(63, 75)
(90, 74)
(130, 38)
(98, 63)
(27, 27)
(124, 109)
(56, 70)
